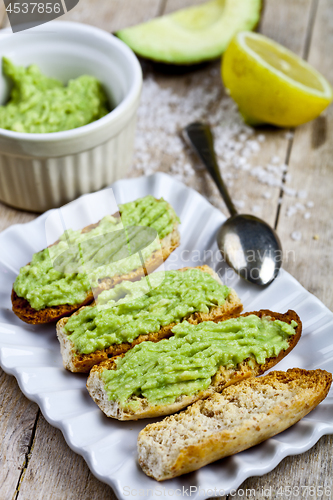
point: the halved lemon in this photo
(271, 84)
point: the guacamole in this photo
(186, 363)
(39, 104)
(131, 309)
(66, 271)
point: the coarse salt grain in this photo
(273, 168)
(296, 235)
(267, 195)
(291, 211)
(294, 209)
(289, 135)
(254, 146)
(289, 191)
(302, 194)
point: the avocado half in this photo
(194, 34)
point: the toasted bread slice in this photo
(242, 416)
(25, 312)
(223, 378)
(76, 362)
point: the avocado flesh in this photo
(192, 35)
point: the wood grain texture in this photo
(2, 14)
(311, 170)
(10, 216)
(172, 5)
(113, 15)
(287, 23)
(58, 471)
(17, 420)
(299, 472)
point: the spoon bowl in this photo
(251, 247)
(248, 244)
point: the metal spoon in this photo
(248, 244)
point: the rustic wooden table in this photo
(35, 461)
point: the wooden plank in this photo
(299, 473)
(56, 472)
(311, 261)
(17, 420)
(249, 185)
(10, 216)
(287, 23)
(172, 5)
(113, 15)
(311, 171)
(2, 15)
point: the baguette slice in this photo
(242, 416)
(25, 312)
(76, 362)
(223, 378)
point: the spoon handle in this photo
(200, 138)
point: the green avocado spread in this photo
(39, 104)
(65, 272)
(131, 309)
(185, 364)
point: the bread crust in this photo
(223, 378)
(25, 312)
(300, 391)
(76, 362)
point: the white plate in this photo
(32, 355)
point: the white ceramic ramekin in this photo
(42, 171)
